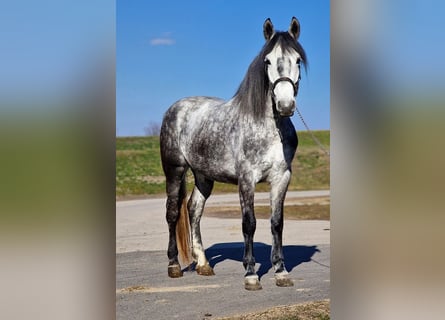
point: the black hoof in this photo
(174, 271)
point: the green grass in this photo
(139, 171)
(138, 166)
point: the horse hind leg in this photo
(201, 192)
(176, 193)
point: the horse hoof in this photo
(283, 280)
(174, 271)
(252, 283)
(205, 270)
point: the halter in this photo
(294, 84)
(276, 114)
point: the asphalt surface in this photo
(144, 291)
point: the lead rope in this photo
(322, 147)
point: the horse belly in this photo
(214, 165)
(224, 177)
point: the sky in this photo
(167, 50)
(47, 45)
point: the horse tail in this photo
(183, 234)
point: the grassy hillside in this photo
(139, 171)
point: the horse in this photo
(243, 141)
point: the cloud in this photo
(162, 41)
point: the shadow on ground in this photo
(293, 255)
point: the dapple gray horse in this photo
(244, 141)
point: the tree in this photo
(153, 129)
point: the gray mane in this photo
(252, 93)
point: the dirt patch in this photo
(293, 212)
(314, 208)
(319, 310)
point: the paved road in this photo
(144, 290)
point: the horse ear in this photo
(294, 28)
(268, 30)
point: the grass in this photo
(139, 171)
(138, 166)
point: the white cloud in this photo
(162, 41)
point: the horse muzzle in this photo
(286, 109)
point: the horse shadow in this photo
(293, 255)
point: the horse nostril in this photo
(286, 107)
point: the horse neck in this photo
(269, 114)
(269, 117)
(250, 117)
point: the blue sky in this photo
(48, 45)
(168, 50)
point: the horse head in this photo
(282, 66)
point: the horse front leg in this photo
(247, 191)
(277, 196)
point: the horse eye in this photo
(267, 61)
(298, 61)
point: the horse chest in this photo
(263, 158)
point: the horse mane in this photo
(252, 93)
